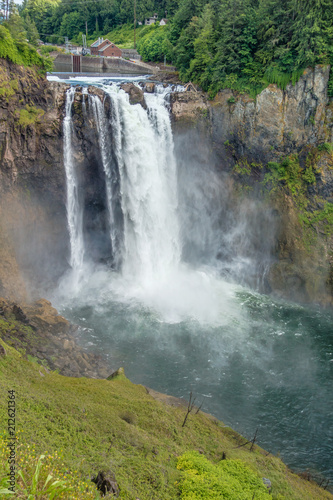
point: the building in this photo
(151, 20)
(110, 50)
(99, 44)
(163, 21)
(104, 48)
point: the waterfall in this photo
(136, 148)
(104, 140)
(73, 205)
(144, 227)
(149, 188)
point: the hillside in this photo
(83, 426)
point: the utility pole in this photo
(86, 29)
(134, 23)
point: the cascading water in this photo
(164, 311)
(105, 148)
(73, 205)
(149, 190)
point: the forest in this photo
(237, 44)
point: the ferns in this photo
(274, 75)
(8, 49)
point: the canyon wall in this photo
(277, 148)
(32, 181)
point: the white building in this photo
(151, 20)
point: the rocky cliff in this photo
(32, 182)
(277, 148)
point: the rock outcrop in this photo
(277, 122)
(136, 95)
(242, 136)
(38, 331)
(32, 181)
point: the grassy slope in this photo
(115, 425)
(123, 36)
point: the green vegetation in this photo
(8, 89)
(239, 44)
(82, 426)
(288, 171)
(43, 476)
(288, 174)
(29, 115)
(230, 479)
(327, 146)
(45, 50)
(19, 51)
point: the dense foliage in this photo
(238, 44)
(19, 51)
(56, 19)
(18, 39)
(245, 44)
(229, 479)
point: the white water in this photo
(138, 144)
(105, 148)
(149, 192)
(175, 327)
(73, 205)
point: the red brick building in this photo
(104, 48)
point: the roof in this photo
(99, 42)
(107, 46)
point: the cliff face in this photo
(32, 183)
(268, 148)
(277, 122)
(277, 148)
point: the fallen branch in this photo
(249, 442)
(190, 407)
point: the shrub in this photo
(327, 146)
(20, 52)
(30, 115)
(229, 479)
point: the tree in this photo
(72, 24)
(204, 47)
(31, 30)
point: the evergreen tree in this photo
(31, 30)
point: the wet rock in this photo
(19, 314)
(117, 373)
(82, 362)
(106, 483)
(150, 87)
(96, 91)
(43, 316)
(136, 95)
(58, 349)
(267, 483)
(67, 345)
(60, 363)
(102, 373)
(188, 106)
